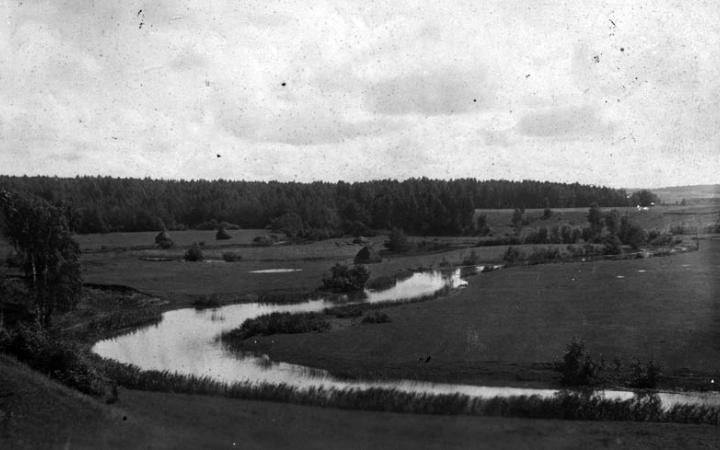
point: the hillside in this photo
(47, 415)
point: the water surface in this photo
(185, 341)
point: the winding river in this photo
(185, 341)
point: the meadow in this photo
(507, 327)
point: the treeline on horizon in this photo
(314, 210)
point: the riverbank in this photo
(38, 413)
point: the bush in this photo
(577, 368)
(376, 317)
(547, 213)
(277, 322)
(512, 255)
(397, 241)
(645, 376)
(612, 245)
(60, 360)
(206, 302)
(263, 241)
(346, 279)
(481, 225)
(194, 253)
(231, 257)
(544, 255)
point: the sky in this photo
(625, 94)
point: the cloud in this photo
(433, 92)
(565, 122)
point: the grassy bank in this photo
(565, 405)
(38, 413)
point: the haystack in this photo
(367, 255)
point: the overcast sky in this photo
(623, 94)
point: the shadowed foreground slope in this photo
(38, 413)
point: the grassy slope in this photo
(47, 415)
(494, 330)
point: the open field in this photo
(661, 218)
(508, 325)
(168, 278)
(38, 413)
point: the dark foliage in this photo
(418, 206)
(513, 255)
(48, 255)
(397, 241)
(194, 253)
(346, 279)
(60, 360)
(276, 323)
(231, 257)
(645, 376)
(577, 368)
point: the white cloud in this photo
(370, 91)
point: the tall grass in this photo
(564, 405)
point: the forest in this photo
(312, 210)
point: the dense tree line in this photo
(418, 206)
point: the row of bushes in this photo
(564, 405)
(578, 368)
(514, 255)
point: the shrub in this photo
(346, 279)
(60, 360)
(644, 376)
(205, 302)
(481, 225)
(397, 241)
(612, 245)
(544, 255)
(231, 257)
(194, 253)
(577, 368)
(376, 317)
(547, 213)
(263, 241)
(277, 322)
(512, 255)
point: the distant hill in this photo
(702, 193)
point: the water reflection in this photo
(185, 341)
